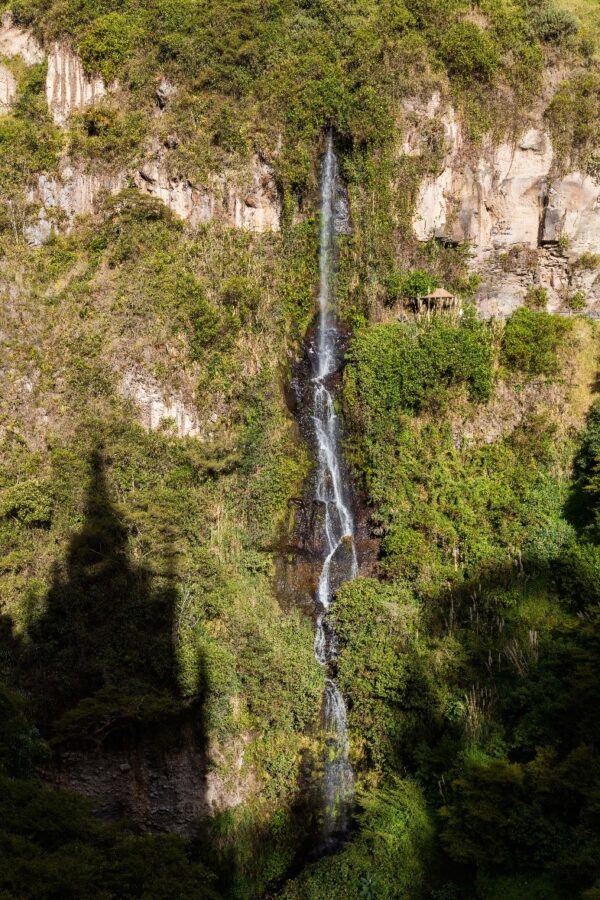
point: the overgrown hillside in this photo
(159, 700)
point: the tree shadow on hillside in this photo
(101, 666)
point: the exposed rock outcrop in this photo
(165, 90)
(158, 790)
(229, 780)
(156, 410)
(573, 211)
(16, 41)
(8, 89)
(74, 192)
(253, 206)
(494, 200)
(68, 88)
(507, 198)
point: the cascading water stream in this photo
(340, 561)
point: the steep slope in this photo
(159, 271)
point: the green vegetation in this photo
(29, 143)
(388, 859)
(573, 116)
(263, 69)
(137, 568)
(554, 24)
(469, 668)
(150, 468)
(532, 340)
(396, 368)
(588, 16)
(577, 301)
(536, 296)
(468, 53)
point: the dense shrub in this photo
(396, 368)
(469, 53)
(573, 115)
(29, 501)
(554, 24)
(576, 301)
(532, 340)
(108, 43)
(417, 283)
(241, 296)
(536, 296)
(108, 135)
(393, 864)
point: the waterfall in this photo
(340, 561)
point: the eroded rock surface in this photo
(250, 202)
(573, 211)
(158, 789)
(8, 89)
(156, 410)
(495, 199)
(16, 41)
(503, 199)
(68, 88)
(74, 192)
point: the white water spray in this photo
(340, 561)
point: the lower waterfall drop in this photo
(340, 561)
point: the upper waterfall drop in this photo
(340, 561)
(330, 488)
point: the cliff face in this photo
(506, 198)
(526, 220)
(253, 206)
(16, 41)
(8, 89)
(247, 199)
(68, 88)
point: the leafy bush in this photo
(23, 151)
(107, 134)
(408, 285)
(469, 53)
(588, 454)
(577, 301)
(573, 115)
(536, 296)
(206, 324)
(108, 42)
(532, 340)
(417, 283)
(554, 24)
(394, 368)
(30, 501)
(380, 668)
(587, 261)
(241, 296)
(387, 859)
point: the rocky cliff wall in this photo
(68, 88)
(16, 41)
(247, 199)
(8, 89)
(500, 198)
(505, 199)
